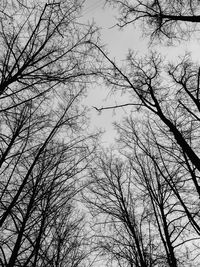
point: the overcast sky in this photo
(117, 44)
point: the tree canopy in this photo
(65, 200)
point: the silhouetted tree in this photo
(166, 189)
(163, 149)
(168, 97)
(122, 230)
(44, 66)
(161, 19)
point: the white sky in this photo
(117, 43)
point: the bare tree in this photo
(145, 209)
(163, 149)
(122, 229)
(44, 66)
(166, 187)
(172, 99)
(161, 19)
(168, 169)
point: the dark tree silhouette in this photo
(165, 187)
(45, 63)
(161, 19)
(163, 147)
(122, 230)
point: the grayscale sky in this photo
(117, 44)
